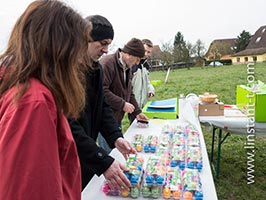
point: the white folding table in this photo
(93, 189)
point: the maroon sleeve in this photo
(116, 102)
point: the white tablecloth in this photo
(234, 122)
(93, 189)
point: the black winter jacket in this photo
(97, 117)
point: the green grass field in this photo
(232, 183)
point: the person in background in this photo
(142, 87)
(98, 116)
(117, 82)
(40, 86)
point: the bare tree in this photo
(200, 51)
(167, 51)
(215, 54)
(189, 51)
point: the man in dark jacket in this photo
(98, 117)
(117, 81)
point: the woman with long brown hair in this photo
(41, 83)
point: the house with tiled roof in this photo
(221, 49)
(255, 51)
(155, 56)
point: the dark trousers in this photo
(102, 142)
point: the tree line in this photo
(184, 51)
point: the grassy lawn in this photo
(232, 183)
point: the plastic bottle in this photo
(194, 101)
(181, 104)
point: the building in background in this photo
(255, 51)
(222, 50)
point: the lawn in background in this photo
(222, 80)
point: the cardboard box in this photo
(165, 109)
(251, 103)
(211, 109)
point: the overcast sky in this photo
(159, 20)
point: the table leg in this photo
(219, 153)
(212, 148)
(220, 142)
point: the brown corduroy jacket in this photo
(117, 85)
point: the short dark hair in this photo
(147, 42)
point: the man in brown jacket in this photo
(117, 82)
